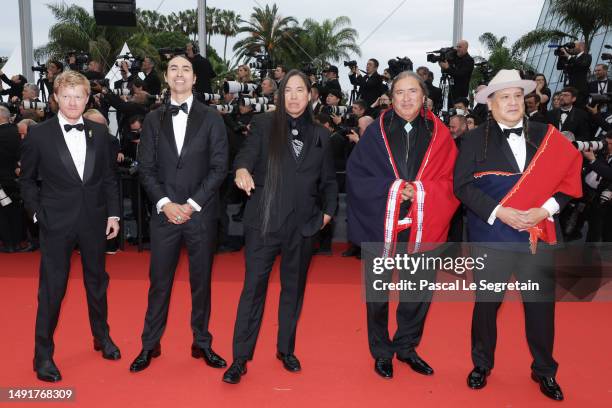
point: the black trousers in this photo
(260, 254)
(410, 316)
(166, 238)
(539, 307)
(56, 250)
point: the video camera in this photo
(41, 68)
(77, 60)
(485, 70)
(309, 69)
(398, 65)
(134, 62)
(345, 130)
(447, 54)
(557, 52)
(350, 64)
(262, 61)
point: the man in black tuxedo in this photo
(151, 80)
(434, 93)
(286, 168)
(575, 63)
(77, 203)
(568, 117)
(601, 85)
(532, 103)
(183, 155)
(125, 83)
(371, 85)
(11, 215)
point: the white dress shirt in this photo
(518, 145)
(76, 143)
(179, 125)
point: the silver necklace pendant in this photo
(294, 132)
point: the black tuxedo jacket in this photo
(62, 194)
(538, 117)
(499, 158)
(577, 122)
(308, 186)
(594, 86)
(197, 171)
(577, 71)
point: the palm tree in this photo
(266, 31)
(330, 40)
(577, 19)
(228, 25)
(211, 23)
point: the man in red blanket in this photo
(400, 194)
(514, 176)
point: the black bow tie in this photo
(78, 126)
(516, 131)
(174, 109)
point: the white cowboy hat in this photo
(505, 78)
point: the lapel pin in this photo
(89, 133)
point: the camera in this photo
(131, 165)
(227, 108)
(42, 68)
(557, 52)
(605, 196)
(235, 87)
(134, 63)
(81, 59)
(592, 145)
(120, 91)
(309, 69)
(334, 110)
(607, 56)
(345, 130)
(208, 97)
(350, 64)
(448, 54)
(262, 61)
(263, 107)
(398, 65)
(104, 82)
(254, 101)
(33, 105)
(454, 112)
(485, 70)
(597, 99)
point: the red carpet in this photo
(331, 343)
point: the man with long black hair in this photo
(284, 166)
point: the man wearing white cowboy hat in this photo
(514, 176)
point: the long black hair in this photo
(278, 145)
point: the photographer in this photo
(601, 85)
(575, 63)
(53, 68)
(126, 77)
(280, 71)
(532, 105)
(371, 85)
(568, 117)
(151, 80)
(330, 83)
(268, 87)
(460, 69)
(16, 84)
(202, 69)
(94, 71)
(333, 99)
(315, 99)
(598, 180)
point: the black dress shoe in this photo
(143, 359)
(290, 362)
(353, 250)
(548, 386)
(384, 367)
(210, 357)
(477, 378)
(46, 370)
(235, 372)
(109, 350)
(417, 364)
